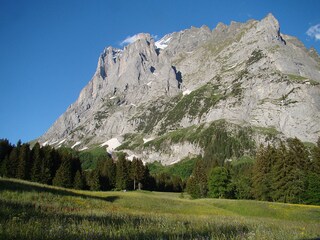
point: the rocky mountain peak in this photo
(248, 74)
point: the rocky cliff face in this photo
(248, 74)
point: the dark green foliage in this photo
(37, 162)
(12, 163)
(285, 174)
(219, 183)
(63, 177)
(262, 174)
(137, 173)
(241, 175)
(122, 173)
(107, 171)
(5, 149)
(221, 144)
(49, 165)
(312, 192)
(197, 185)
(316, 158)
(90, 158)
(182, 169)
(166, 182)
(193, 188)
(79, 182)
(93, 180)
(24, 162)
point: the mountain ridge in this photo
(248, 74)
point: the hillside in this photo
(34, 211)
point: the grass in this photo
(34, 211)
(296, 78)
(194, 105)
(266, 130)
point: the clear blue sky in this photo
(49, 48)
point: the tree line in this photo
(288, 172)
(62, 167)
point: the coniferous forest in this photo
(286, 172)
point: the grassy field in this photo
(34, 211)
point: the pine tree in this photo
(262, 173)
(298, 166)
(12, 163)
(37, 162)
(241, 179)
(4, 167)
(315, 165)
(199, 177)
(312, 193)
(107, 170)
(279, 175)
(219, 183)
(193, 188)
(137, 172)
(24, 164)
(47, 165)
(78, 181)
(5, 149)
(122, 173)
(63, 177)
(93, 180)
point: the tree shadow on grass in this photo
(105, 226)
(10, 185)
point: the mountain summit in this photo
(160, 100)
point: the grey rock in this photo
(267, 80)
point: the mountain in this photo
(197, 91)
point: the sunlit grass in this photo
(34, 211)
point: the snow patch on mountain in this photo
(76, 144)
(162, 43)
(186, 92)
(111, 144)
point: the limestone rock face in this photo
(245, 73)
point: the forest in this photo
(284, 172)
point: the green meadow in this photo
(35, 211)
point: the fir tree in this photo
(312, 192)
(63, 177)
(78, 181)
(199, 186)
(280, 171)
(12, 163)
(261, 174)
(5, 149)
(315, 165)
(298, 165)
(47, 164)
(219, 183)
(122, 173)
(137, 172)
(193, 187)
(93, 180)
(37, 162)
(107, 170)
(24, 164)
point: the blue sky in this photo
(49, 48)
